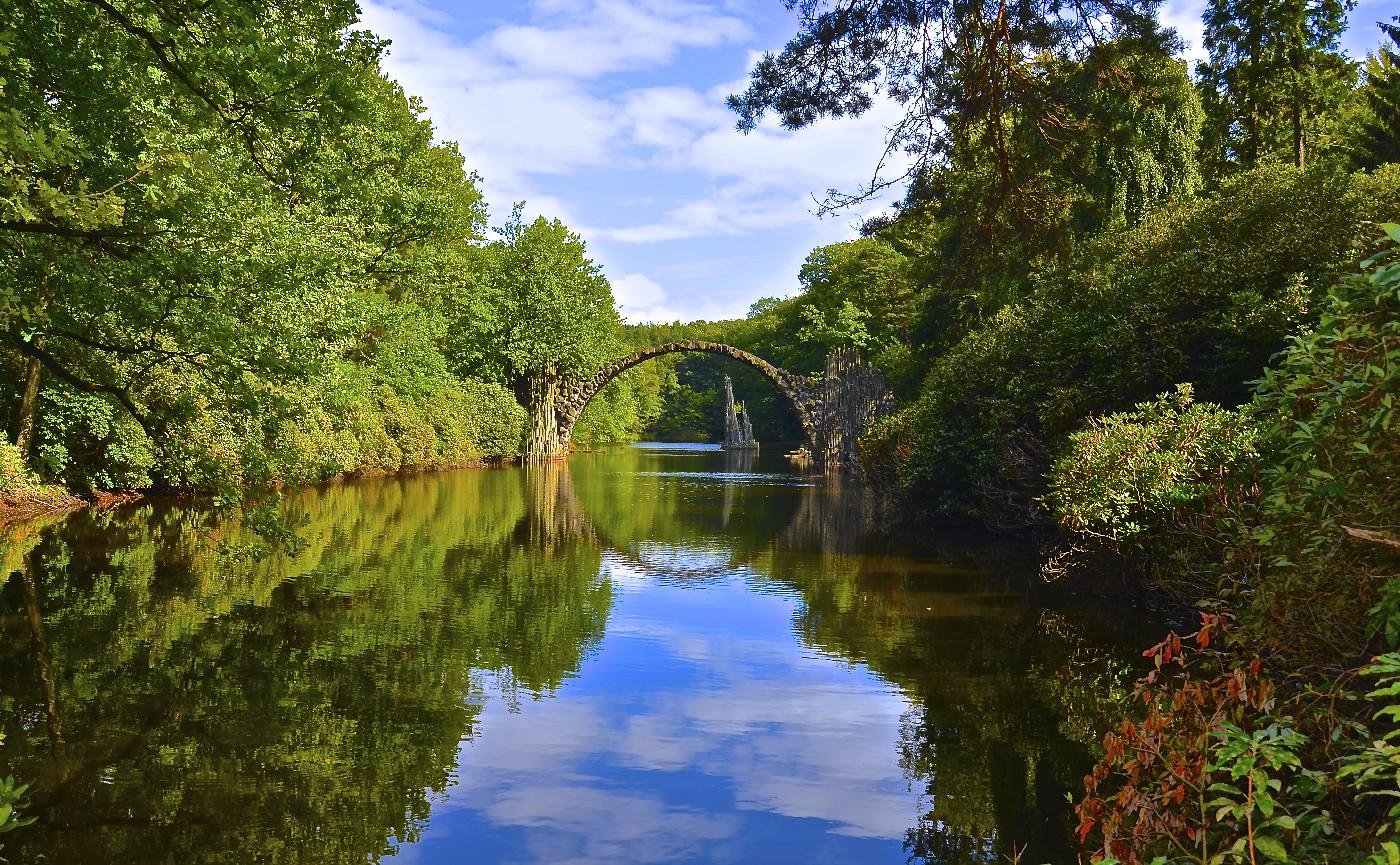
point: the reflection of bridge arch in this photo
(827, 520)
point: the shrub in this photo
(16, 480)
(1330, 487)
(1207, 775)
(1166, 481)
(87, 443)
(496, 419)
(1227, 767)
(1215, 772)
(1202, 292)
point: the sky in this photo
(609, 115)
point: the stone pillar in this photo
(731, 420)
(738, 429)
(544, 440)
(855, 394)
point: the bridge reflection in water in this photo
(540, 663)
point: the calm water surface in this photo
(653, 655)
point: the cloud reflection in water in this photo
(702, 730)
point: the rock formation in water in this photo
(738, 429)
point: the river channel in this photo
(658, 654)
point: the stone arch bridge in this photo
(832, 408)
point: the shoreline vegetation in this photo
(1146, 314)
(33, 500)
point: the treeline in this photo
(1153, 318)
(232, 254)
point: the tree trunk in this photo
(41, 659)
(1298, 142)
(28, 405)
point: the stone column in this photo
(544, 440)
(855, 395)
(731, 420)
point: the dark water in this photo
(651, 655)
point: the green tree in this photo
(234, 263)
(546, 312)
(1379, 138)
(1274, 74)
(959, 70)
(856, 294)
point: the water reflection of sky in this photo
(701, 730)
(735, 478)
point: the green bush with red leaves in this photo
(1272, 734)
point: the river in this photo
(658, 654)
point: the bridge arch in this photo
(804, 395)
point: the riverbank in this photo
(23, 497)
(45, 501)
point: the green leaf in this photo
(1392, 852)
(1271, 847)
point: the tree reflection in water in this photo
(178, 706)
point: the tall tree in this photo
(965, 73)
(544, 311)
(1014, 115)
(147, 225)
(1379, 138)
(1275, 70)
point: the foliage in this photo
(1149, 117)
(11, 801)
(1378, 140)
(1167, 482)
(1372, 769)
(246, 261)
(1201, 293)
(960, 72)
(1330, 485)
(1315, 556)
(1213, 772)
(16, 480)
(856, 294)
(1201, 776)
(1274, 73)
(547, 305)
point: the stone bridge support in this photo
(854, 395)
(832, 409)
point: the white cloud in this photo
(669, 119)
(782, 731)
(769, 179)
(587, 40)
(1184, 16)
(564, 92)
(636, 290)
(641, 299)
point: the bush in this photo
(497, 420)
(344, 422)
(1330, 488)
(87, 443)
(16, 480)
(1167, 479)
(1233, 767)
(1202, 292)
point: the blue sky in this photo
(609, 114)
